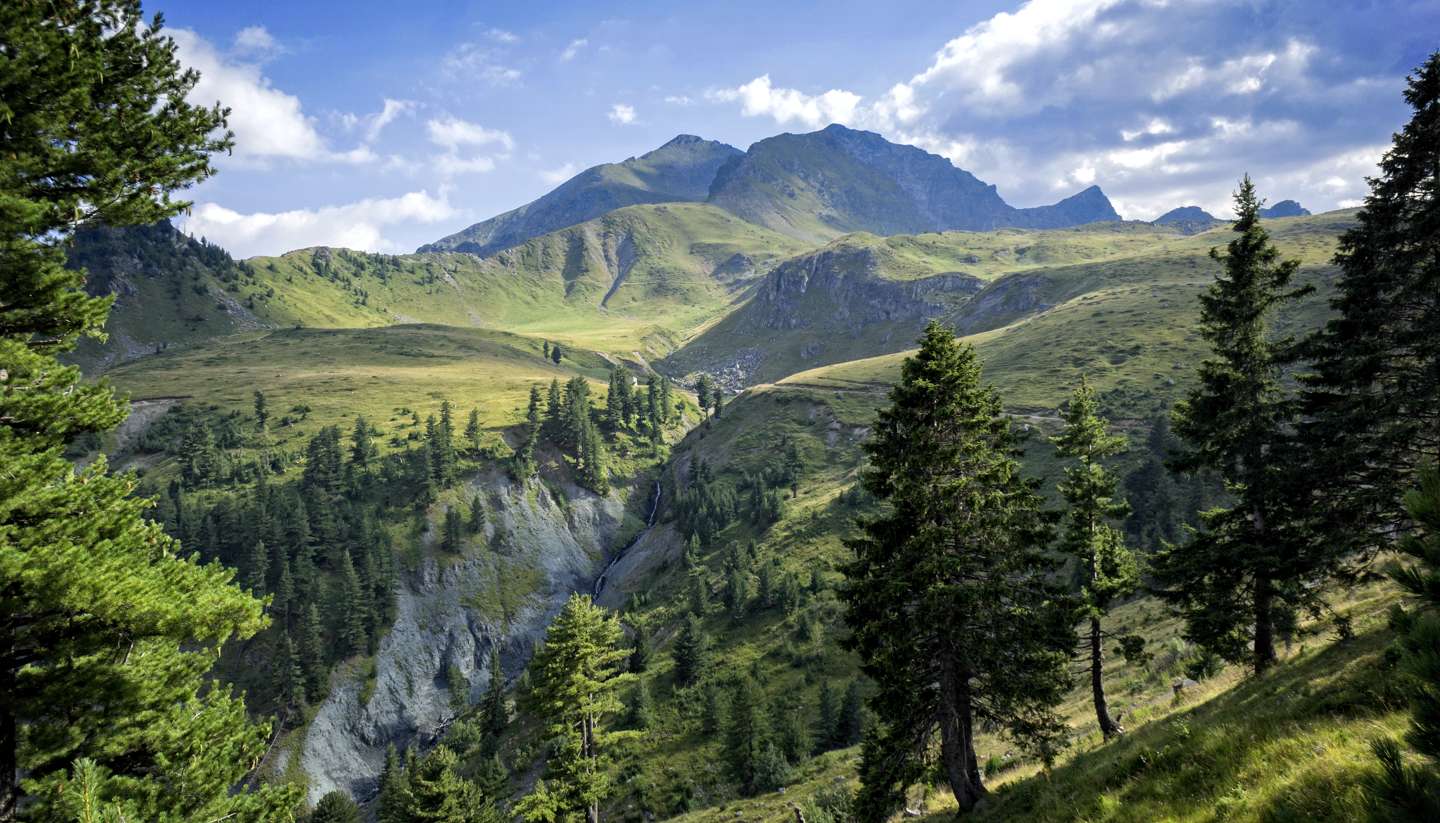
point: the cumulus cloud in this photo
(502, 36)
(622, 114)
(452, 133)
(760, 97)
(559, 174)
(1160, 103)
(573, 50)
(256, 42)
(268, 123)
(360, 225)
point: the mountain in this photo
(680, 170)
(1187, 220)
(1285, 208)
(821, 185)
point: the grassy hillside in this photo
(635, 280)
(1127, 322)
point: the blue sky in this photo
(381, 126)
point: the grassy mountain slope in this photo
(637, 279)
(820, 185)
(1050, 305)
(680, 170)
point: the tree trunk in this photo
(957, 740)
(1108, 727)
(1264, 624)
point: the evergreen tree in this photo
(262, 411)
(1227, 579)
(335, 807)
(453, 539)
(459, 686)
(350, 610)
(556, 353)
(641, 713)
(748, 741)
(477, 515)
(282, 605)
(554, 412)
(717, 400)
(1107, 567)
(851, 724)
(1405, 791)
(667, 400)
(1373, 403)
(444, 447)
(546, 350)
(361, 447)
(473, 431)
(737, 592)
(394, 794)
(827, 719)
(97, 131)
(691, 652)
(703, 389)
(437, 792)
(289, 676)
(640, 650)
(573, 681)
(495, 714)
(712, 709)
(257, 568)
(312, 654)
(963, 535)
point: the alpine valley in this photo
(654, 386)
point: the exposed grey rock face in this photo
(848, 180)
(680, 170)
(1187, 220)
(451, 611)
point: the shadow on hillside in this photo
(1289, 746)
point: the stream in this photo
(649, 523)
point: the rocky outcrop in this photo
(536, 550)
(1285, 208)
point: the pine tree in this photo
(289, 676)
(445, 447)
(717, 400)
(477, 515)
(257, 568)
(1226, 580)
(748, 742)
(350, 610)
(312, 653)
(691, 652)
(1373, 403)
(335, 807)
(394, 794)
(703, 393)
(640, 715)
(554, 412)
(667, 400)
(1404, 791)
(1108, 567)
(453, 539)
(437, 792)
(262, 411)
(963, 533)
(640, 650)
(473, 431)
(827, 722)
(850, 726)
(556, 353)
(361, 447)
(282, 605)
(573, 681)
(712, 709)
(495, 714)
(737, 592)
(98, 132)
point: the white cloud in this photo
(360, 225)
(257, 42)
(572, 50)
(1154, 128)
(760, 97)
(622, 113)
(558, 174)
(680, 100)
(451, 133)
(268, 123)
(470, 61)
(502, 36)
(451, 165)
(388, 113)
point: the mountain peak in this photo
(1285, 208)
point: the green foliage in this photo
(1228, 577)
(335, 807)
(1107, 568)
(691, 652)
(1403, 791)
(574, 678)
(98, 132)
(1373, 402)
(961, 536)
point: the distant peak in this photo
(684, 140)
